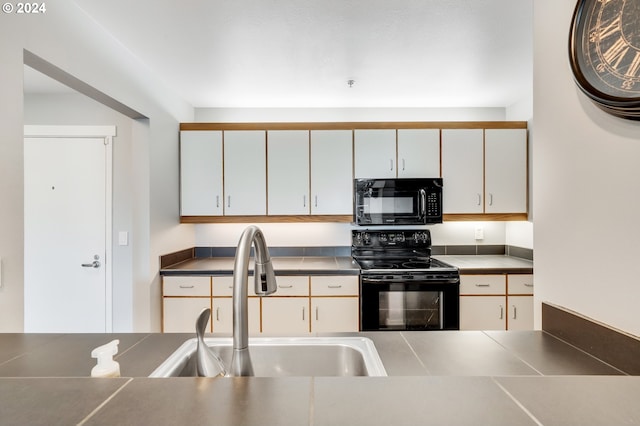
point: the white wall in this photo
(339, 234)
(258, 115)
(70, 40)
(586, 182)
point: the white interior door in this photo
(67, 200)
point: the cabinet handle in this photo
(403, 165)
(501, 312)
(479, 199)
(490, 199)
(391, 164)
(217, 201)
(304, 201)
(316, 201)
(528, 284)
(483, 285)
(218, 314)
(303, 309)
(335, 286)
(186, 286)
(514, 311)
(229, 201)
(316, 313)
(285, 286)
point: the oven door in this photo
(408, 305)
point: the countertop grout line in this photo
(132, 346)
(415, 354)
(514, 354)
(517, 402)
(105, 402)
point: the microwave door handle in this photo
(423, 203)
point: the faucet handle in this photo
(265, 278)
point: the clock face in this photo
(604, 49)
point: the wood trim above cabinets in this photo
(358, 125)
(496, 217)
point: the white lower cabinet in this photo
(222, 315)
(184, 297)
(496, 302)
(285, 315)
(301, 305)
(334, 314)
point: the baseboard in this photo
(619, 349)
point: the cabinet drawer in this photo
(483, 284)
(335, 285)
(521, 284)
(292, 286)
(223, 286)
(186, 286)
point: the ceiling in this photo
(301, 53)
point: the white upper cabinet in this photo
(245, 174)
(375, 153)
(462, 170)
(418, 153)
(288, 172)
(331, 172)
(505, 171)
(409, 153)
(201, 173)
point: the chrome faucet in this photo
(265, 284)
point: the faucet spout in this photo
(265, 284)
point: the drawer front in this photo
(292, 286)
(520, 284)
(223, 286)
(483, 284)
(186, 286)
(346, 285)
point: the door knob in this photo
(94, 264)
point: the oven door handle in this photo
(369, 280)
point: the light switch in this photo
(123, 238)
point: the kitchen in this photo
(573, 146)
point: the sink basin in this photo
(286, 356)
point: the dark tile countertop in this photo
(320, 265)
(307, 265)
(489, 264)
(448, 377)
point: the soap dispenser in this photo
(106, 366)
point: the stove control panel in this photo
(404, 238)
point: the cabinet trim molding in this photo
(266, 219)
(358, 125)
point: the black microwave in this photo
(397, 201)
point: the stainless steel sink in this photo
(286, 356)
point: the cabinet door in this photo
(285, 315)
(201, 173)
(483, 313)
(180, 313)
(520, 312)
(505, 171)
(418, 153)
(462, 170)
(288, 172)
(334, 314)
(245, 175)
(222, 315)
(331, 172)
(374, 153)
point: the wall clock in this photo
(604, 51)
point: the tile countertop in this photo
(308, 265)
(499, 377)
(318, 265)
(488, 264)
